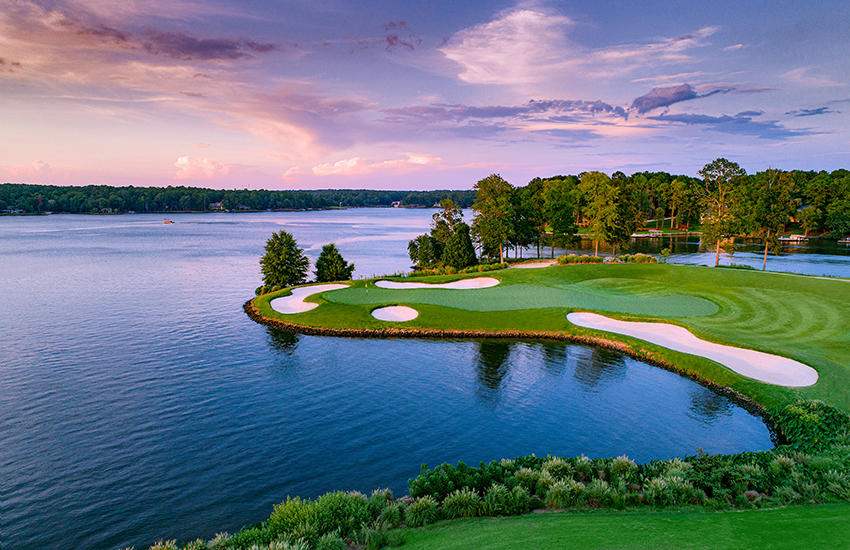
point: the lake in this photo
(138, 402)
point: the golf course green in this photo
(799, 317)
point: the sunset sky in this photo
(292, 94)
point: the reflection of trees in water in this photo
(492, 367)
(597, 368)
(707, 407)
(283, 342)
(555, 357)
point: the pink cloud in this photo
(35, 172)
(359, 166)
(199, 168)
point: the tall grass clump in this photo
(340, 511)
(287, 515)
(565, 494)
(393, 514)
(463, 503)
(422, 511)
(496, 501)
(621, 467)
(558, 468)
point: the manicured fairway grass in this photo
(804, 318)
(813, 527)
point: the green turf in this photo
(816, 527)
(804, 318)
(524, 296)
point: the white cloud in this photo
(35, 172)
(802, 76)
(529, 46)
(200, 168)
(294, 171)
(359, 166)
(512, 49)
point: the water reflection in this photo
(555, 357)
(708, 407)
(492, 367)
(285, 343)
(598, 368)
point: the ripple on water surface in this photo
(139, 402)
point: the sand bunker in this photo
(463, 284)
(294, 303)
(752, 364)
(531, 265)
(395, 313)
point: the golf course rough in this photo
(801, 318)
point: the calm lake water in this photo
(138, 402)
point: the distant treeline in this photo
(26, 198)
(820, 200)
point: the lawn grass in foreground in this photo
(811, 527)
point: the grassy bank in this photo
(799, 317)
(826, 526)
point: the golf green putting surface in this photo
(801, 318)
(525, 296)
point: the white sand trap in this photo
(463, 284)
(763, 367)
(294, 303)
(531, 265)
(395, 313)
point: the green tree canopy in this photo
(721, 196)
(494, 213)
(330, 265)
(601, 211)
(283, 264)
(459, 251)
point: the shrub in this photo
(462, 503)
(345, 512)
(393, 514)
(304, 532)
(782, 466)
(584, 468)
(165, 545)
(372, 539)
(528, 478)
(378, 501)
(520, 500)
(597, 493)
(621, 467)
(219, 541)
(422, 511)
(564, 494)
(678, 467)
(289, 514)
(330, 541)
(558, 468)
(809, 425)
(496, 501)
(247, 538)
(666, 491)
(545, 481)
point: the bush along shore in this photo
(810, 467)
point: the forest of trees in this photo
(546, 212)
(29, 199)
(724, 201)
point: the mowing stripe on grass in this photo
(506, 298)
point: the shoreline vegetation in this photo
(810, 464)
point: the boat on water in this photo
(845, 240)
(167, 221)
